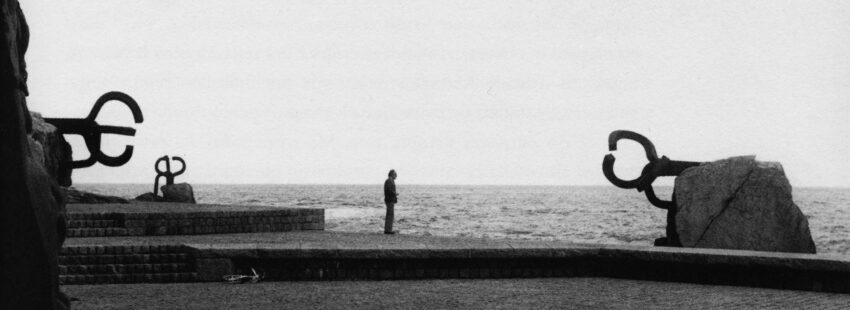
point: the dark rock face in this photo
(55, 149)
(149, 196)
(73, 195)
(740, 203)
(181, 192)
(32, 220)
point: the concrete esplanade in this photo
(301, 250)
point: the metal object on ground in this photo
(91, 131)
(656, 167)
(240, 278)
(169, 176)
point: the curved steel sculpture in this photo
(167, 174)
(91, 131)
(656, 167)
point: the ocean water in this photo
(595, 214)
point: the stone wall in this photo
(291, 262)
(195, 223)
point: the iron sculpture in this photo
(169, 176)
(91, 131)
(657, 167)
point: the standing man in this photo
(390, 197)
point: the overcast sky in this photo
(448, 92)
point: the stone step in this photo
(106, 259)
(121, 249)
(93, 223)
(97, 232)
(162, 219)
(128, 278)
(94, 216)
(125, 268)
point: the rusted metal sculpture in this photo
(169, 176)
(657, 167)
(91, 131)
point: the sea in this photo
(581, 214)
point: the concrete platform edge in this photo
(809, 272)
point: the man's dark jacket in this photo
(389, 191)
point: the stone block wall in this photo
(194, 223)
(99, 264)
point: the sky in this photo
(447, 92)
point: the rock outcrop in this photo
(149, 196)
(73, 195)
(180, 192)
(54, 149)
(740, 203)
(32, 217)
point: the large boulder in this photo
(32, 217)
(181, 192)
(739, 203)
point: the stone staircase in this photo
(98, 264)
(96, 225)
(127, 256)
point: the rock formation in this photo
(55, 149)
(181, 192)
(32, 221)
(149, 196)
(73, 195)
(739, 203)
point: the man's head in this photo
(392, 174)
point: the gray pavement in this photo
(563, 293)
(298, 237)
(156, 207)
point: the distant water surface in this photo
(602, 214)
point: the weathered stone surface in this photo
(54, 149)
(149, 196)
(181, 192)
(740, 203)
(73, 195)
(32, 218)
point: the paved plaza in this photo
(557, 293)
